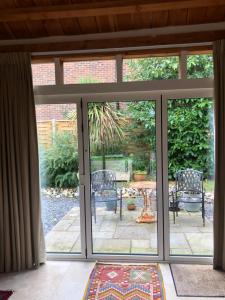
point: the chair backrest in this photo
(189, 180)
(103, 180)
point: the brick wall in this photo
(43, 74)
(47, 112)
(99, 71)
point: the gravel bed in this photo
(54, 209)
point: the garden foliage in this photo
(190, 123)
(59, 163)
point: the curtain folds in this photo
(20, 218)
(219, 203)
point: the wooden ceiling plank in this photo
(101, 9)
(160, 19)
(8, 31)
(116, 43)
(178, 17)
(103, 24)
(197, 15)
(124, 22)
(53, 27)
(88, 25)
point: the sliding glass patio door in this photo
(61, 176)
(188, 144)
(111, 168)
(124, 181)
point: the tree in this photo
(190, 133)
(106, 124)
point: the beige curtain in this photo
(20, 226)
(219, 204)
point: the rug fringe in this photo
(89, 278)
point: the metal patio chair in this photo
(188, 189)
(104, 189)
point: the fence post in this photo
(53, 130)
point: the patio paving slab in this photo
(174, 251)
(108, 226)
(200, 243)
(111, 246)
(103, 234)
(178, 241)
(58, 241)
(188, 236)
(142, 247)
(132, 232)
(74, 228)
(183, 229)
(77, 246)
(63, 225)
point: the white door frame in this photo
(151, 90)
(121, 98)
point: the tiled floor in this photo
(112, 235)
(66, 281)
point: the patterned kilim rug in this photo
(125, 282)
(4, 295)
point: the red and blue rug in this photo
(4, 295)
(125, 282)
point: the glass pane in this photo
(94, 71)
(59, 167)
(200, 66)
(43, 74)
(191, 176)
(151, 68)
(123, 177)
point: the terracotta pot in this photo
(131, 206)
(139, 177)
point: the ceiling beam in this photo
(104, 8)
(157, 52)
(119, 34)
(118, 44)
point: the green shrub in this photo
(59, 163)
(140, 162)
(190, 121)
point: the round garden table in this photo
(145, 188)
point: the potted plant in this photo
(139, 175)
(140, 164)
(131, 204)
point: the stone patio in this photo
(110, 235)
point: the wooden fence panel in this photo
(47, 129)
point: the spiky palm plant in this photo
(106, 124)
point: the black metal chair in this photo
(188, 189)
(104, 189)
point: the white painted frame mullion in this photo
(165, 97)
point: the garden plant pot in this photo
(192, 207)
(139, 177)
(131, 206)
(110, 205)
